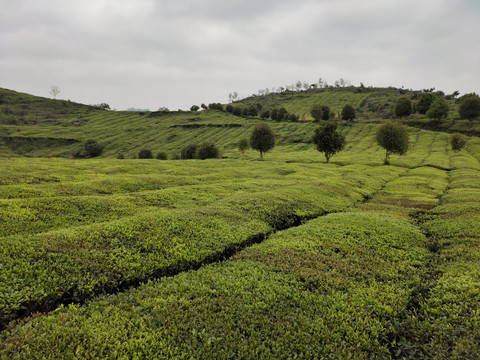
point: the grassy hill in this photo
(289, 257)
(32, 126)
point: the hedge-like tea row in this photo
(448, 322)
(74, 264)
(330, 287)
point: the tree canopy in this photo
(262, 138)
(348, 113)
(316, 112)
(423, 104)
(469, 108)
(403, 106)
(438, 109)
(393, 137)
(328, 140)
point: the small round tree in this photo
(194, 108)
(328, 140)
(325, 112)
(265, 114)
(393, 137)
(438, 109)
(229, 108)
(207, 150)
(348, 113)
(92, 148)
(262, 138)
(162, 155)
(243, 145)
(145, 154)
(458, 142)
(423, 104)
(403, 106)
(189, 151)
(316, 112)
(469, 108)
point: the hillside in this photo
(33, 126)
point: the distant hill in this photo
(134, 109)
(37, 126)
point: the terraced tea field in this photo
(284, 258)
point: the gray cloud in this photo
(147, 53)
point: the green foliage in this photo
(93, 148)
(162, 155)
(265, 114)
(317, 112)
(325, 112)
(145, 154)
(403, 106)
(262, 138)
(328, 140)
(423, 104)
(252, 111)
(194, 108)
(438, 109)
(189, 151)
(207, 150)
(458, 142)
(393, 137)
(229, 108)
(237, 111)
(243, 145)
(348, 113)
(469, 107)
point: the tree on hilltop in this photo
(393, 137)
(348, 113)
(438, 109)
(403, 106)
(54, 91)
(469, 108)
(262, 138)
(328, 140)
(316, 112)
(423, 104)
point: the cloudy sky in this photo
(176, 53)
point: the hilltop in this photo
(36, 126)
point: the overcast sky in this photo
(176, 53)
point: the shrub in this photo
(458, 142)
(243, 145)
(162, 155)
(393, 137)
(262, 138)
(145, 154)
(274, 114)
(438, 109)
(207, 150)
(229, 108)
(282, 114)
(189, 151)
(121, 156)
(316, 112)
(348, 113)
(424, 102)
(92, 148)
(194, 108)
(403, 106)
(265, 114)
(252, 111)
(237, 111)
(469, 107)
(325, 112)
(328, 140)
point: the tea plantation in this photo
(236, 258)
